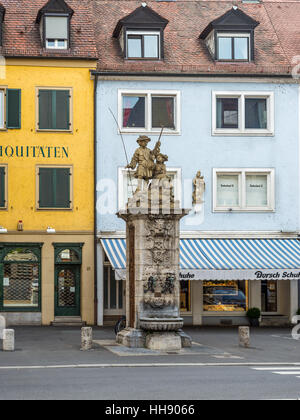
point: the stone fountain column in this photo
(152, 281)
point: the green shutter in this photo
(45, 110)
(13, 105)
(62, 109)
(54, 109)
(63, 188)
(46, 188)
(54, 188)
(2, 187)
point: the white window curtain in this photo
(228, 190)
(257, 190)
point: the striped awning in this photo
(232, 259)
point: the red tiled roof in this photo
(275, 38)
(21, 36)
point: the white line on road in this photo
(144, 365)
(287, 373)
(277, 368)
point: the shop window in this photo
(244, 190)
(21, 280)
(243, 113)
(54, 188)
(113, 290)
(3, 187)
(54, 109)
(127, 184)
(225, 296)
(269, 296)
(149, 111)
(10, 109)
(68, 256)
(185, 296)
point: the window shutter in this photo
(54, 109)
(45, 110)
(2, 187)
(13, 104)
(63, 188)
(63, 109)
(46, 188)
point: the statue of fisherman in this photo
(144, 159)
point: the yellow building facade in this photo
(47, 188)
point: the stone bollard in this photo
(86, 338)
(9, 340)
(244, 336)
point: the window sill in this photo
(255, 210)
(53, 209)
(239, 133)
(48, 130)
(153, 132)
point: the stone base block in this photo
(186, 340)
(163, 341)
(130, 337)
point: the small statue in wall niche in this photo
(199, 189)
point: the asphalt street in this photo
(48, 364)
(159, 383)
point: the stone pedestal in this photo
(152, 282)
(86, 338)
(244, 336)
(163, 341)
(9, 340)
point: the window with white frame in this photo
(56, 32)
(149, 111)
(127, 185)
(244, 190)
(143, 44)
(233, 47)
(243, 113)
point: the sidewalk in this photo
(47, 346)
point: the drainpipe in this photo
(95, 204)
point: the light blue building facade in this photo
(251, 173)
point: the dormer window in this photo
(141, 34)
(143, 45)
(2, 14)
(233, 47)
(54, 20)
(231, 37)
(56, 31)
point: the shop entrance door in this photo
(269, 296)
(67, 290)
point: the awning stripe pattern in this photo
(222, 254)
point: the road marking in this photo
(277, 368)
(286, 371)
(295, 372)
(145, 365)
